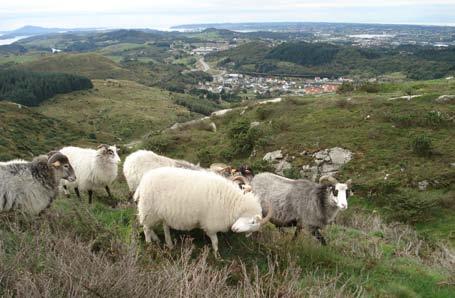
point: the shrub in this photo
(292, 173)
(410, 206)
(263, 113)
(243, 137)
(159, 143)
(346, 87)
(422, 145)
(370, 87)
(435, 119)
(205, 157)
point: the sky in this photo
(163, 14)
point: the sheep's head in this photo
(61, 165)
(243, 183)
(109, 153)
(246, 171)
(249, 224)
(338, 192)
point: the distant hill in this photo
(36, 30)
(324, 59)
(92, 65)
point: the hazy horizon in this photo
(142, 14)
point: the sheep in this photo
(93, 168)
(138, 163)
(302, 203)
(185, 199)
(32, 186)
(13, 161)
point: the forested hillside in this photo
(32, 88)
(323, 59)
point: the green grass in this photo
(26, 133)
(125, 109)
(91, 65)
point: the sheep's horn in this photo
(103, 146)
(269, 214)
(241, 179)
(56, 157)
(326, 179)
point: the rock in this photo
(445, 98)
(328, 162)
(339, 155)
(281, 166)
(423, 185)
(212, 126)
(254, 124)
(452, 164)
(273, 156)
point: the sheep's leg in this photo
(297, 231)
(150, 234)
(108, 192)
(317, 234)
(167, 236)
(65, 191)
(214, 240)
(78, 194)
(90, 195)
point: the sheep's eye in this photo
(335, 192)
(110, 152)
(348, 192)
(66, 166)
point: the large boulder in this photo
(273, 156)
(326, 162)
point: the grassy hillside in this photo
(91, 65)
(25, 133)
(124, 109)
(379, 131)
(87, 251)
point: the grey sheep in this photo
(302, 203)
(32, 186)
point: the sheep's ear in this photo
(103, 146)
(349, 183)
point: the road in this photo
(202, 65)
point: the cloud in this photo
(150, 13)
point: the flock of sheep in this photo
(176, 193)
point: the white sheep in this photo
(138, 163)
(93, 168)
(185, 199)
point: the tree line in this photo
(32, 88)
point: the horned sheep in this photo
(32, 186)
(94, 168)
(301, 202)
(185, 199)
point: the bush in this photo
(292, 173)
(243, 137)
(410, 206)
(435, 119)
(205, 157)
(263, 113)
(158, 143)
(346, 87)
(370, 87)
(422, 145)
